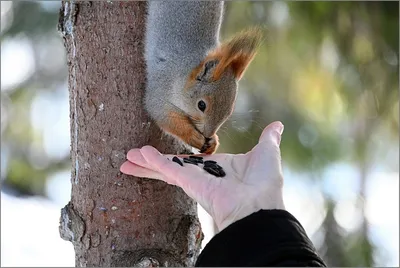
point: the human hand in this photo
(253, 180)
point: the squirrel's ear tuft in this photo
(236, 53)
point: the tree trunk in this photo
(113, 219)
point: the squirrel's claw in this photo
(210, 145)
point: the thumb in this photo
(266, 155)
(272, 132)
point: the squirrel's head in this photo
(211, 88)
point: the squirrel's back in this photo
(182, 32)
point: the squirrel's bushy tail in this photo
(236, 52)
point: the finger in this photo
(220, 158)
(193, 180)
(135, 156)
(163, 163)
(266, 154)
(138, 171)
(187, 155)
(272, 132)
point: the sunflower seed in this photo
(212, 171)
(197, 160)
(221, 172)
(190, 161)
(176, 160)
(196, 157)
(215, 170)
(209, 162)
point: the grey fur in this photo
(179, 36)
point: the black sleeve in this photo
(265, 238)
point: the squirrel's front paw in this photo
(210, 145)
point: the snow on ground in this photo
(29, 234)
(29, 226)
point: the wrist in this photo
(230, 220)
(273, 200)
(265, 201)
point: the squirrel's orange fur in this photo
(180, 126)
(236, 53)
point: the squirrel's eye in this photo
(202, 105)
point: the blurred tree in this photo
(28, 23)
(333, 251)
(112, 219)
(332, 78)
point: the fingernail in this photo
(278, 133)
(280, 128)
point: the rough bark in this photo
(113, 219)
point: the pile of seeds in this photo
(209, 165)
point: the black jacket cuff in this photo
(265, 238)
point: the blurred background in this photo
(328, 70)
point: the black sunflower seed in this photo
(196, 157)
(190, 161)
(176, 160)
(197, 160)
(211, 165)
(221, 172)
(215, 170)
(212, 171)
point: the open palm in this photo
(253, 180)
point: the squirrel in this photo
(192, 78)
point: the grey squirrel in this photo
(192, 78)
